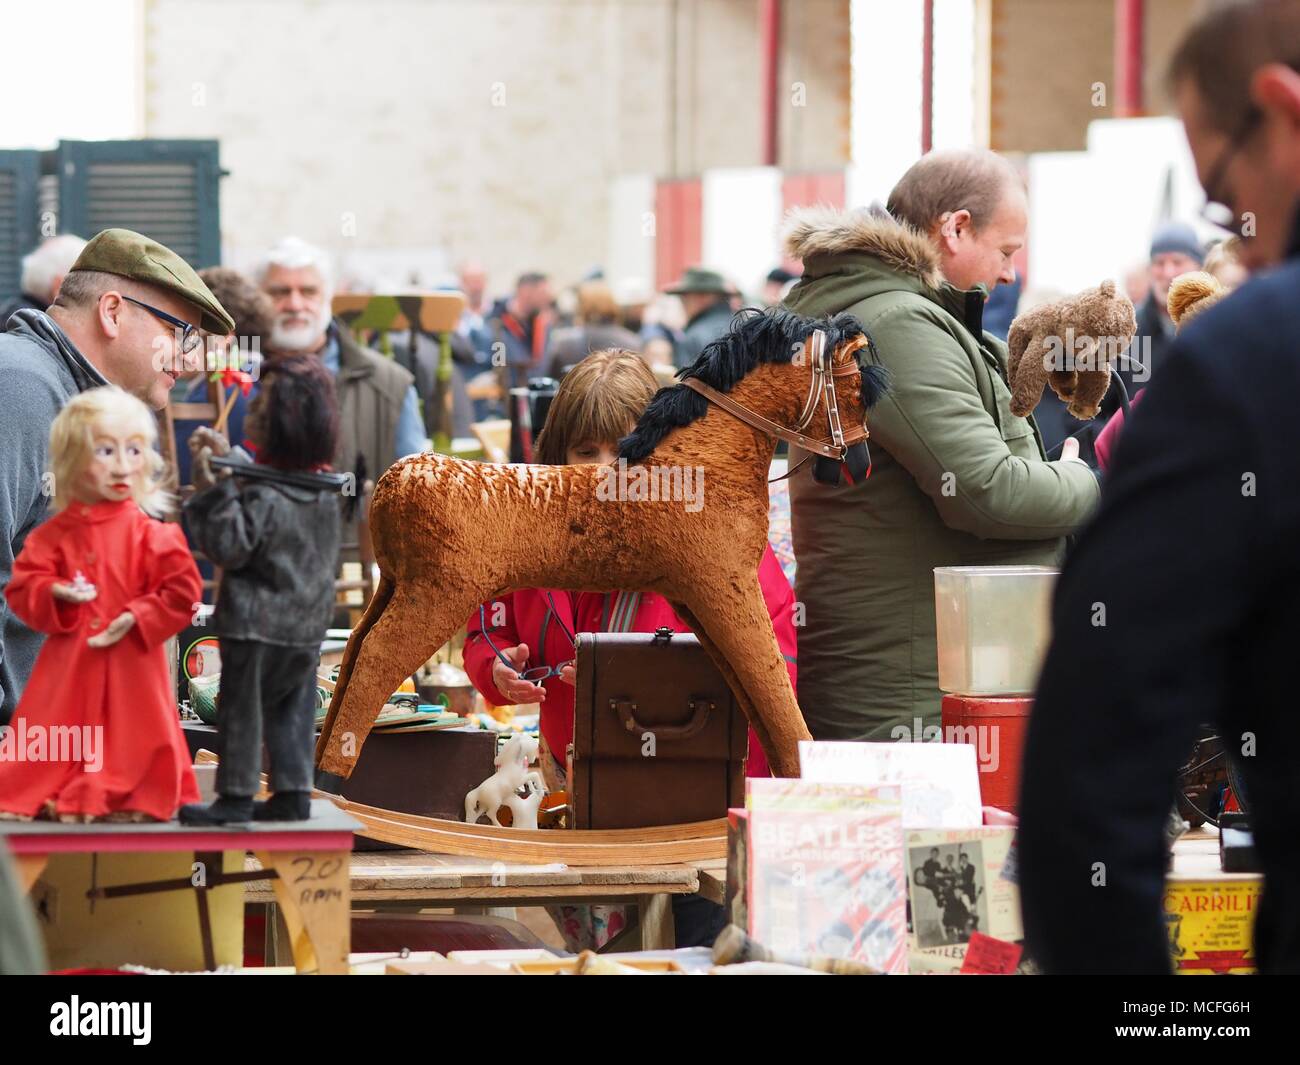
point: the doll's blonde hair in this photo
(72, 442)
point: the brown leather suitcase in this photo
(658, 738)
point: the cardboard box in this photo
(1211, 925)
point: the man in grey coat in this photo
(706, 299)
(128, 313)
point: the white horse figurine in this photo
(501, 788)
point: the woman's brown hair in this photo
(599, 400)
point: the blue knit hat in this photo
(1177, 237)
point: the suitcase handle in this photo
(699, 708)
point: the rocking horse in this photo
(449, 534)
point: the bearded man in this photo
(378, 406)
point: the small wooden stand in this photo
(309, 861)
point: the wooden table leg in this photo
(314, 891)
(655, 915)
(30, 867)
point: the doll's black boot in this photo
(284, 806)
(227, 810)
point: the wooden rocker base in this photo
(661, 845)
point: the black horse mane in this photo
(756, 337)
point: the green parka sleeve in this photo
(935, 421)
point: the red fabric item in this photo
(526, 610)
(1104, 445)
(123, 692)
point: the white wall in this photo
(1092, 213)
(71, 71)
(886, 113)
(742, 214)
(631, 254)
(492, 129)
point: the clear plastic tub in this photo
(993, 627)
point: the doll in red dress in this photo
(96, 735)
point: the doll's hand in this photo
(205, 437)
(203, 444)
(508, 681)
(117, 628)
(74, 593)
(569, 674)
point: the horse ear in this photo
(848, 350)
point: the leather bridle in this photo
(844, 445)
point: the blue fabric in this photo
(330, 353)
(410, 427)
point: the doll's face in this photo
(117, 461)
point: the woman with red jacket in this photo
(598, 402)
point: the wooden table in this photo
(309, 860)
(713, 879)
(416, 880)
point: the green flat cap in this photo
(698, 279)
(129, 254)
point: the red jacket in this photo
(528, 620)
(1104, 446)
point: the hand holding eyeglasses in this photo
(508, 681)
(509, 674)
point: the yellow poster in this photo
(1210, 925)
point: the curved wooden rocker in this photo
(659, 845)
(449, 534)
(525, 847)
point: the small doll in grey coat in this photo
(277, 546)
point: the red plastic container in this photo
(995, 725)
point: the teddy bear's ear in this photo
(1192, 293)
(1108, 288)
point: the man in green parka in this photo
(957, 479)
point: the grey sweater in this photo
(40, 370)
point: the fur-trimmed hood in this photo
(823, 230)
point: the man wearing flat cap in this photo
(706, 299)
(129, 313)
(1175, 250)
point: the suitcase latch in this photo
(663, 634)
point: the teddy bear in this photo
(1069, 344)
(1190, 294)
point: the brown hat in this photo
(129, 254)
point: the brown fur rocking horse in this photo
(451, 534)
